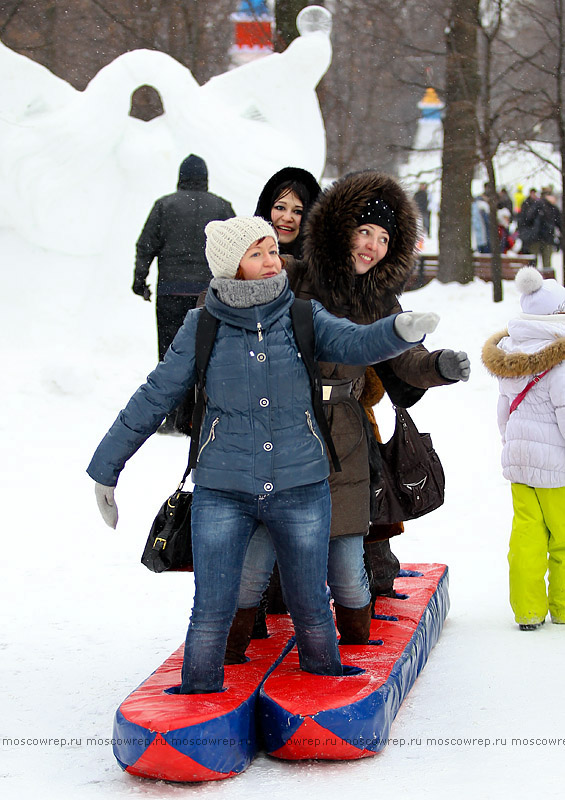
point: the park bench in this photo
(427, 265)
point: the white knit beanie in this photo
(539, 296)
(227, 240)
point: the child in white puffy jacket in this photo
(529, 361)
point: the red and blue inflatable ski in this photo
(310, 716)
(205, 737)
(197, 737)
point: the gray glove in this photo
(412, 325)
(454, 366)
(106, 504)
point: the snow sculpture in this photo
(76, 168)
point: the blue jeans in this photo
(222, 525)
(347, 576)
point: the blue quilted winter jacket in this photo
(259, 433)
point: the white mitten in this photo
(106, 504)
(413, 325)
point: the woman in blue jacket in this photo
(261, 457)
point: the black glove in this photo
(454, 366)
(141, 288)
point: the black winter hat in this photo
(378, 212)
(193, 168)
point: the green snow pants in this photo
(537, 547)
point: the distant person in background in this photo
(284, 202)
(519, 198)
(546, 228)
(423, 203)
(507, 240)
(174, 234)
(504, 201)
(480, 224)
(527, 220)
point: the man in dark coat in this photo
(174, 234)
(422, 201)
(527, 220)
(546, 228)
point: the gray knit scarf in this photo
(245, 294)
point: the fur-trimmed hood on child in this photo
(534, 434)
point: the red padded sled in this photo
(310, 716)
(213, 736)
(196, 737)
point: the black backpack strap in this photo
(205, 338)
(303, 326)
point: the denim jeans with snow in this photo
(347, 576)
(222, 525)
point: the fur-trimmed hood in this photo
(518, 364)
(327, 247)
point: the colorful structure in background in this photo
(532, 163)
(431, 106)
(253, 32)
(269, 702)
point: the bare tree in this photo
(382, 53)
(490, 26)
(538, 77)
(286, 12)
(459, 147)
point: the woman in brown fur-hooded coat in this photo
(328, 274)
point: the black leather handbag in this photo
(412, 480)
(169, 545)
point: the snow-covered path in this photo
(84, 622)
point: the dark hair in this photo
(289, 179)
(292, 186)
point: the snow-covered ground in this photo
(84, 622)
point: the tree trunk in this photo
(495, 261)
(286, 12)
(560, 120)
(459, 146)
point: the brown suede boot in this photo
(353, 624)
(240, 635)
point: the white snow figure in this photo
(75, 167)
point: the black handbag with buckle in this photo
(169, 544)
(412, 480)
